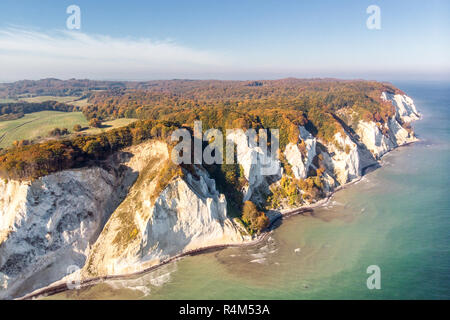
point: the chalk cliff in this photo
(48, 225)
(301, 162)
(188, 214)
(382, 138)
(75, 218)
(259, 165)
(404, 106)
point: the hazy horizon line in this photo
(349, 78)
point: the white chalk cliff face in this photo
(53, 224)
(371, 139)
(188, 214)
(300, 163)
(47, 225)
(404, 106)
(350, 153)
(374, 139)
(344, 158)
(257, 163)
(379, 143)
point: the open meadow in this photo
(38, 125)
(74, 100)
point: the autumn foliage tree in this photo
(255, 220)
(95, 123)
(77, 128)
(59, 132)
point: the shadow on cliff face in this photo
(370, 168)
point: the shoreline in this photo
(61, 285)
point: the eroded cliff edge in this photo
(119, 218)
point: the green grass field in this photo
(108, 125)
(69, 100)
(66, 99)
(39, 124)
(7, 100)
(80, 103)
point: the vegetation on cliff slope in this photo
(36, 160)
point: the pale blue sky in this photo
(243, 39)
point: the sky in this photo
(211, 39)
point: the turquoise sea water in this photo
(397, 217)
